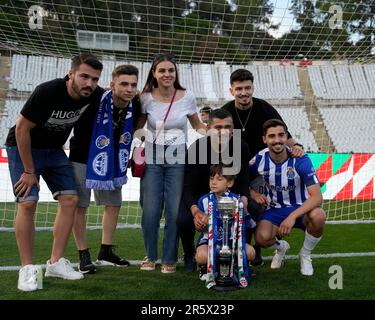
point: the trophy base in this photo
(222, 289)
(225, 285)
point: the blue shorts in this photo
(277, 215)
(52, 164)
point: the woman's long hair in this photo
(151, 81)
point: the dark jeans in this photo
(186, 229)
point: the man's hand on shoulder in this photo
(297, 150)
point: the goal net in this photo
(312, 60)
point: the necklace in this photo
(247, 118)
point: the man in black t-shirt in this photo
(35, 148)
(249, 114)
(124, 88)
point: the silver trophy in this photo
(224, 281)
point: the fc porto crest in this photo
(123, 159)
(100, 164)
(102, 141)
(290, 173)
(125, 138)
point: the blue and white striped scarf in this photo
(105, 170)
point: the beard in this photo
(247, 102)
(78, 90)
(278, 151)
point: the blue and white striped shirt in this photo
(285, 183)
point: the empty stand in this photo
(11, 112)
(343, 81)
(210, 83)
(351, 129)
(299, 126)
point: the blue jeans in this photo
(161, 186)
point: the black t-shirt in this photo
(197, 176)
(261, 111)
(80, 141)
(54, 112)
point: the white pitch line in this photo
(138, 226)
(288, 257)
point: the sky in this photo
(286, 19)
(283, 16)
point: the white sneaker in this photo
(30, 278)
(278, 258)
(62, 269)
(306, 264)
(203, 277)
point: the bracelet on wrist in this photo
(28, 172)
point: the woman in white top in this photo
(162, 183)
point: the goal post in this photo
(314, 61)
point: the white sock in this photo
(309, 244)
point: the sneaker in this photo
(85, 263)
(203, 272)
(147, 264)
(62, 269)
(306, 264)
(190, 264)
(28, 278)
(258, 260)
(107, 257)
(278, 258)
(168, 268)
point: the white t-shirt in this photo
(175, 129)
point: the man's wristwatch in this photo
(299, 145)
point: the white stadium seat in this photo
(210, 83)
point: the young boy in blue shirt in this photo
(219, 186)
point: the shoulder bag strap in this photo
(166, 115)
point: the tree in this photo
(328, 29)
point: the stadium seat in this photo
(346, 124)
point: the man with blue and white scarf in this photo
(100, 159)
